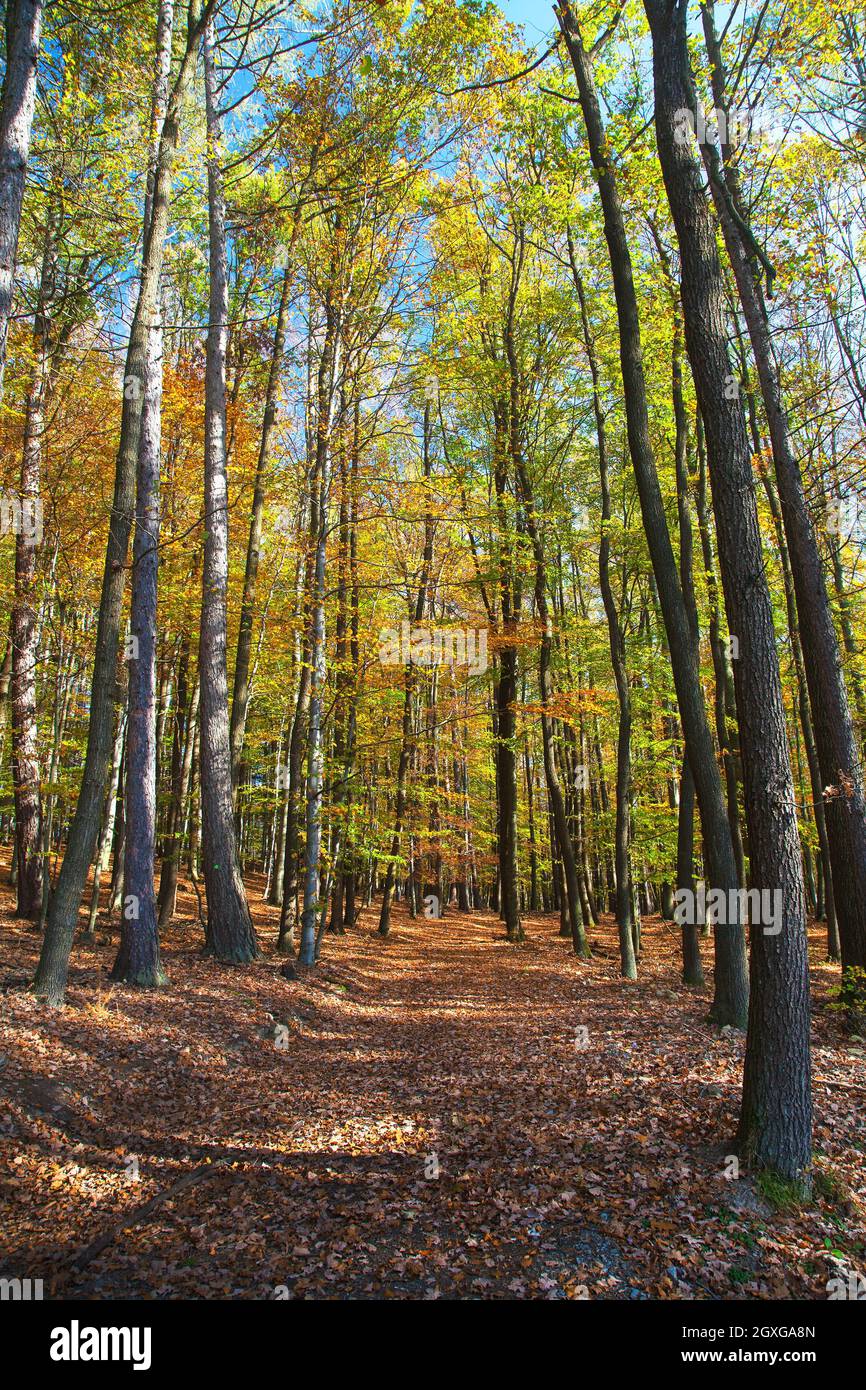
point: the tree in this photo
(138, 957)
(622, 870)
(835, 737)
(731, 984)
(17, 101)
(775, 1121)
(230, 934)
(24, 629)
(50, 981)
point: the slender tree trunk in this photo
(731, 977)
(693, 973)
(276, 861)
(725, 705)
(62, 695)
(408, 700)
(693, 970)
(816, 783)
(505, 690)
(776, 1116)
(5, 681)
(17, 101)
(230, 935)
(628, 963)
(137, 961)
(103, 852)
(343, 759)
(241, 690)
(835, 738)
(534, 900)
(182, 745)
(554, 789)
(286, 940)
(25, 625)
(622, 832)
(50, 981)
(849, 640)
(326, 382)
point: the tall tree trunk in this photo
(62, 696)
(693, 973)
(731, 977)
(838, 752)
(50, 981)
(628, 963)
(346, 664)
(25, 625)
(816, 783)
(534, 897)
(776, 1116)
(286, 940)
(241, 690)
(183, 744)
(17, 101)
(276, 863)
(230, 935)
(5, 681)
(408, 698)
(554, 788)
(137, 961)
(106, 832)
(505, 690)
(325, 387)
(725, 703)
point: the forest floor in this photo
(418, 1118)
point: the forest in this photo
(433, 650)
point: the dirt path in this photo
(440, 1115)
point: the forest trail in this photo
(417, 1118)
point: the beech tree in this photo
(731, 985)
(775, 1124)
(839, 759)
(230, 933)
(17, 100)
(53, 964)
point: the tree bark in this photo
(106, 832)
(25, 623)
(776, 1115)
(241, 688)
(137, 961)
(816, 783)
(17, 102)
(230, 935)
(835, 738)
(731, 978)
(50, 981)
(325, 386)
(628, 962)
(693, 973)
(183, 744)
(408, 698)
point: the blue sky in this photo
(536, 16)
